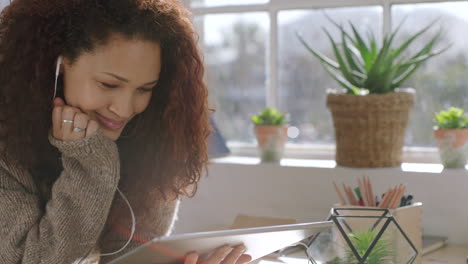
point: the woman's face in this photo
(114, 82)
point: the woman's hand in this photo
(223, 255)
(69, 123)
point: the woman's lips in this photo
(109, 123)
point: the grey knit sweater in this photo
(85, 215)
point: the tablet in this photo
(260, 241)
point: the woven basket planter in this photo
(370, 129)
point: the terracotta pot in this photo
(453, 147)
(271, 140)
(370, 129)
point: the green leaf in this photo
(357, 70)
(363, 49)
(407, 43)
(372, 43)
(380, 70)
(428, 47)
(357, 57)
(340, 27)
(453, 118)
(343, 82)
(269, 116)
(321, 57)
(342, 64)
(402, 77)
(421, 58)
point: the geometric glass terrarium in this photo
(362, 236)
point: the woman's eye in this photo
(111, 86)
(146, 90)
(108, 85)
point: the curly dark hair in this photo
(167, 147)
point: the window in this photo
(210, 3)
(4, 3)
(247, 71)
(234, 47)
(443, 81)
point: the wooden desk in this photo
(447, 255)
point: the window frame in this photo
(272, 8)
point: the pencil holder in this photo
(365, 235)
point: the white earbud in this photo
(57, 71)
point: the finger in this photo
(57, 121)
(191, 258)
(59, 102)
(92, 128)
(219, 255)
(234, 255)
(68, 116)
(80, 121)
(244, 258)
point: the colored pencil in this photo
(340, 195)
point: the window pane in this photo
(200, 3)
(234, 47)
(302, 80)
(443, 80)
(3, 4)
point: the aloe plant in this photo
(361, 65)
(380, 254)
(269, 117)
(453, 118)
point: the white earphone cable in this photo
(133, 227)
(57, 71)
(131, 234)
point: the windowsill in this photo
(424, 155)
(330, 164)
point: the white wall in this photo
(306, 194)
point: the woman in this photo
(127, 127)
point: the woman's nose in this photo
(122, 106)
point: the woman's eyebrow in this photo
(125, 80)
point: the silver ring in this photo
(77, 129)
(67, 121)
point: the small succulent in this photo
(380, 254)
(269, 117)
(453, 118)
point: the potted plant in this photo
(382, 252)
(451, 134)
(271, 133)
(370, 112)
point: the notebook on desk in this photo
(259, 241)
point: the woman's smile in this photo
(110, 123)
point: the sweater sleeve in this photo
(74, 216)
(155, 216)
